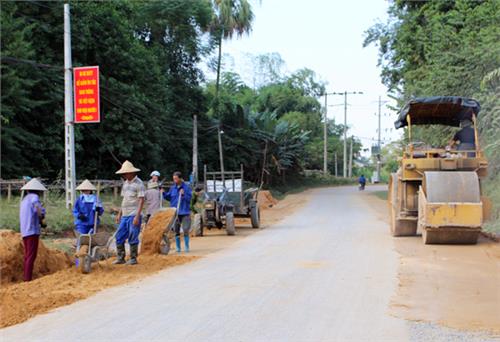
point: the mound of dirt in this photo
(266, 199)
(12, 254)
(25, 300)
(152, 235)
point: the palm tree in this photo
(230, 17)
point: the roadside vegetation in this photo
(155, 61)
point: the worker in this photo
(155, 177)
(87, 208)
(31, 219)
(129, 216)
(362, 182)
(180, 191)
(465, 138)
(196, 204)
(153, 199)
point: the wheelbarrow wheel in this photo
(165, 245)
(255, 216)
(198, 225)
(85, 264)
(230, 228)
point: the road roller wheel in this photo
(398, 227)
(451, 187)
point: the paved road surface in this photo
(327, 272)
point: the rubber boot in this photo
(178, 244)
(120, 255)
(186, 243)
(133, 255)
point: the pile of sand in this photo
(24, 300)
(153, 233)
(12, 255)
(266, 199)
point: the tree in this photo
(230, 17)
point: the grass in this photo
(382, 194)
(59, 219)
(491, 188)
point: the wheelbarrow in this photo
(169, 234)
(93, 247)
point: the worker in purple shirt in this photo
(180, 190)
(31, 215)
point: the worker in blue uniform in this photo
(180, 190)
(86, 207)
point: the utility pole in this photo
(221, 155)
(379, 143)
(345, 93)
(195, 149)
(350, 158)
(325, 137)
(69, 129)
(336, 173)
(263, 166)
(379, 136)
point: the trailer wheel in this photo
(255, 216)
(85, 264)
(230, 228)
(198, 225)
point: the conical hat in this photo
(127, 167)
(35, 185)
(86, 185)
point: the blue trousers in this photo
(84, 228)
(127, 231)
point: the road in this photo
(325, 272)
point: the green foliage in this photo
(437, 48)
(151, 85)
(148, 55)
(299, 183)
(58, 219)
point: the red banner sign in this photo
(86, 94)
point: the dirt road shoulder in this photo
(457, 286)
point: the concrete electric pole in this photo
(195, 149)
(336, 171)
(221, 154)
(379, 142)
(345, 93)
(69, 129)
(350, 157)
(325, 137)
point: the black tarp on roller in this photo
(438, 110)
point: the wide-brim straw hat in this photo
(34, 185)
(127, 167)
(86, 186)
(153, 185)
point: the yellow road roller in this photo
(437, 191)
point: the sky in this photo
(327, 37)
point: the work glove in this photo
(82, 217)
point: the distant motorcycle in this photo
(362, 183)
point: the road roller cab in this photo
(437, 190)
